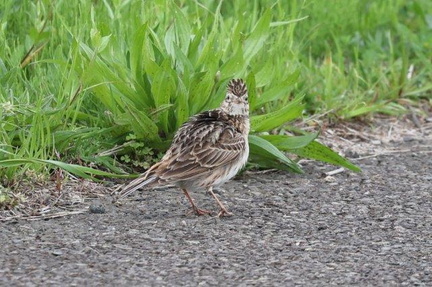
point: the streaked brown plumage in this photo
(206, 151)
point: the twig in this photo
(392, 152)
(48, 216)
(333, 172)
(260, 171)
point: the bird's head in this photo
(236, 99)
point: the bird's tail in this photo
(136, 184)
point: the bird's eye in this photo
(246, 98)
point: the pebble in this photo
(98, 209)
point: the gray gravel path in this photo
(372, 228)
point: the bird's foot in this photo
(223, 212)
(202, 212)
(199, 211)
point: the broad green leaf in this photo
(182, 106)
(81, 171)
(139, 59)
(210, 55)
(194, 52)
(169, 41)
(233, 65)
(278, 91)
(156, 41)
(287, 143)
(277, 118)
(251, 86)
(150, 65)
(182, 64)
(257, 38)
(207, 51)
(199, 91)
(100, 75)
(98, 41)
(160, 109)
(265, 73)
(182, 28)
(318, 151)
(236, 37)
(136, 51)
(269, 156)
(142, 126)
(163, 87)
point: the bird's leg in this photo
(223, 211)
(194, 207)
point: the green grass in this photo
(359, 56)
(103, 81)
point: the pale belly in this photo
(219, 177)
(231, 172)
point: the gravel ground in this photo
(369, 228)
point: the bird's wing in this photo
(200, 148)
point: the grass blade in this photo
(277, 118)
(257, 38)
(267, 155)
(78, 170)
(287, 143)
(318, 151)
(163, 88)
(278, 91)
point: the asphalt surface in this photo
(370, 229)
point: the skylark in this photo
(206, 151)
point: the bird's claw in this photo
(199, 212)
(224, 212)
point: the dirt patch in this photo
(369, 228)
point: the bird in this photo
(206, 151)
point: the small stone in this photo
(408, 139)
(352, 154)
(330, 178)
(57, 252)
(99, 209)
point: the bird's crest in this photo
(237, 87)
